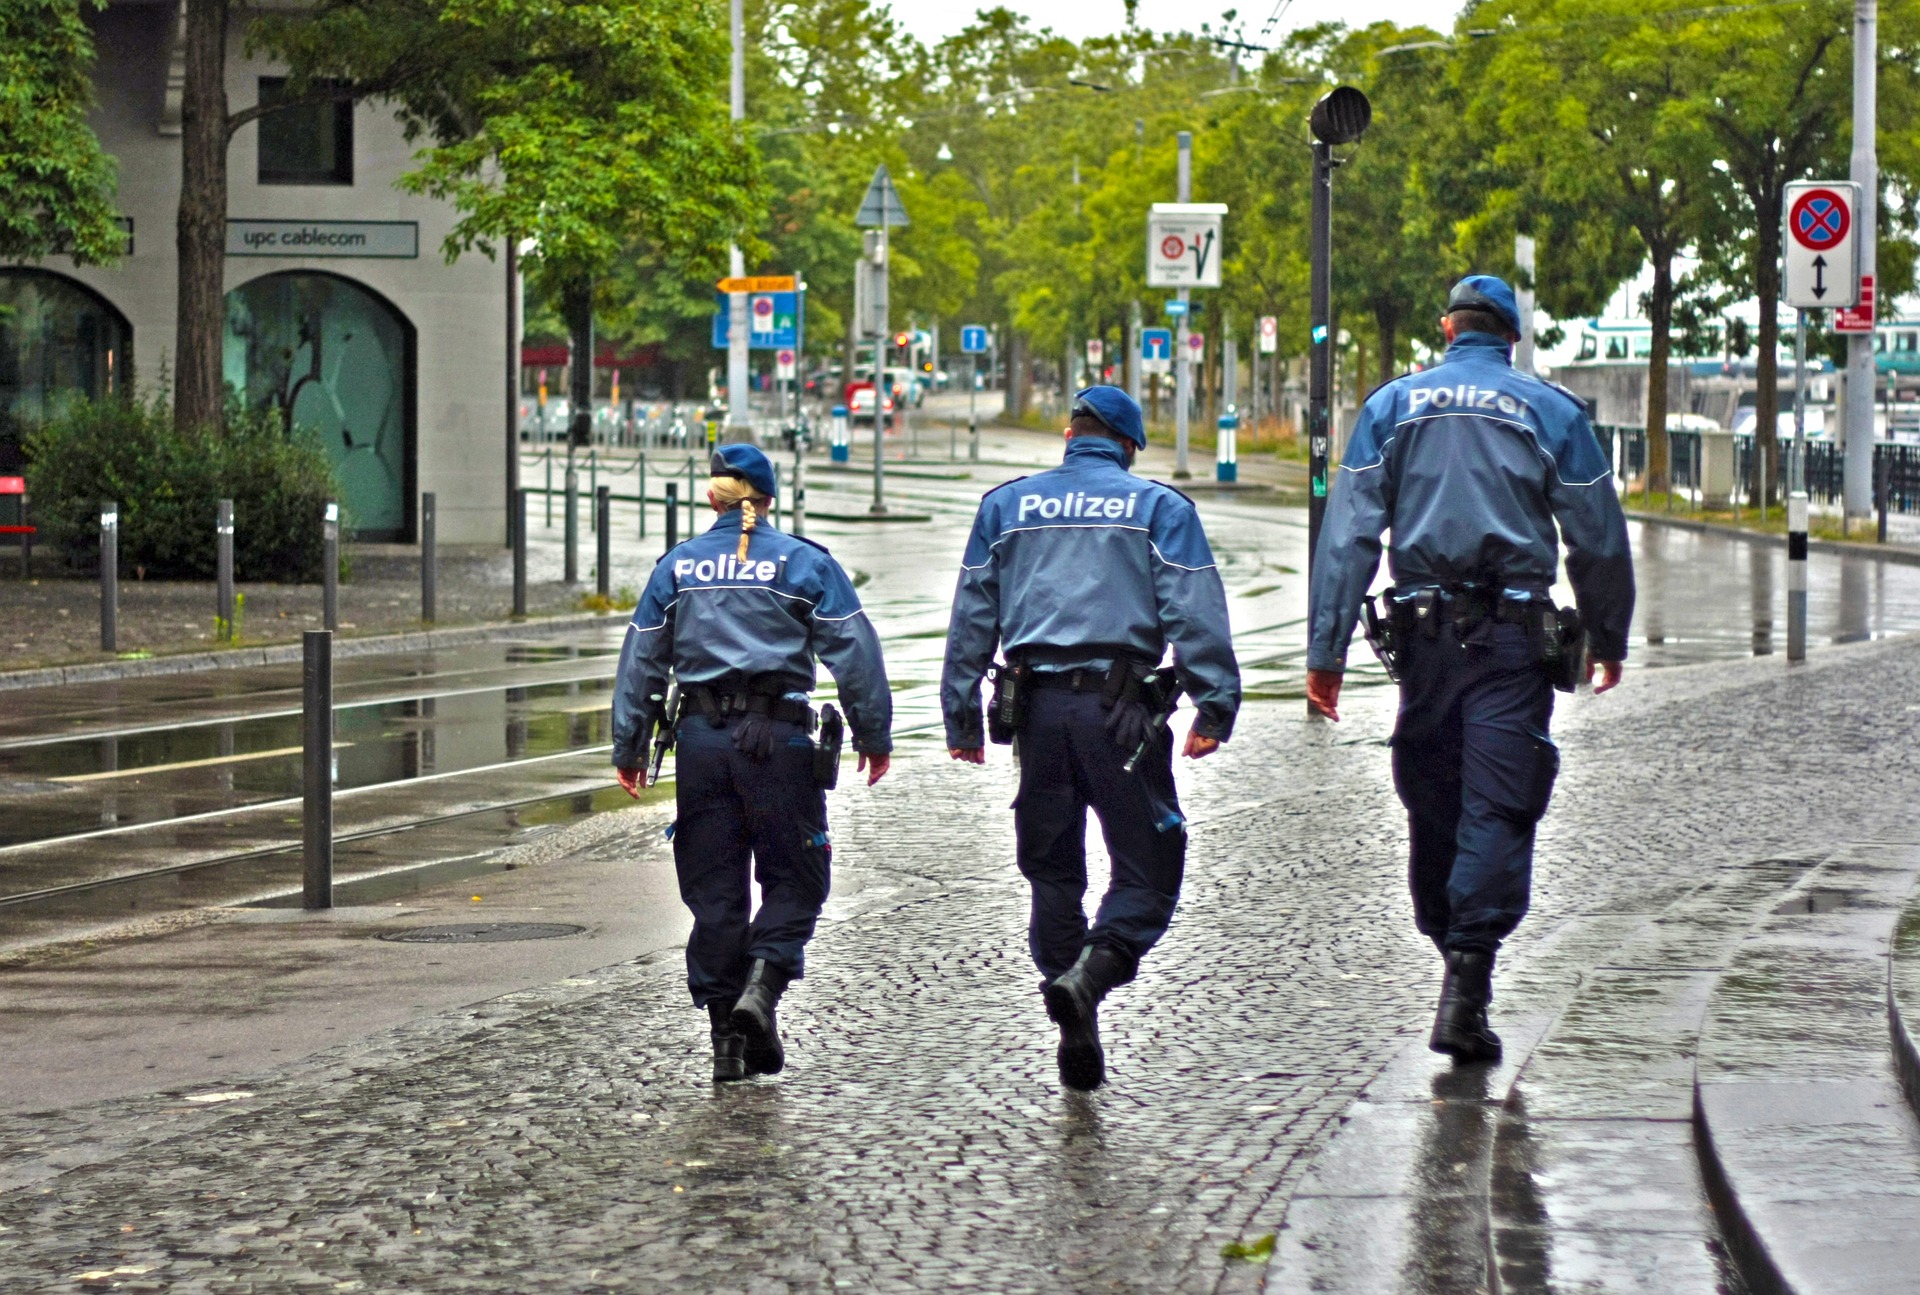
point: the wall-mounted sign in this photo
(380, 239)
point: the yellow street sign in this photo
(759, 283)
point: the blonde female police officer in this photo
(740, 614)
(1085, 575)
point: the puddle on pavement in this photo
(1809, 902)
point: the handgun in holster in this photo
(666, 722)
(1159, 692)
(826, 748)
(1563, 646)
(1381, 637)
(1007, 712)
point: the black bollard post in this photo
(642, 466)
(1882, 487)
(673, 515)
(519, 523)
(429, 557)
(110, 577)
(316, 770)
(330, 566)
(603, 540)
(223, 569)
(570, 526)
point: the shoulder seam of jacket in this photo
(1379, 462)
(1166, 561)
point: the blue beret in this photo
(1485, 292)
(745, 462)
(1114, 407)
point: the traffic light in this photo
(902, 339)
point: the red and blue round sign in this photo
(1819, 219)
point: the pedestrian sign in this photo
(973, 339)
(1820, 248)
(1269, 334)
(773, 321)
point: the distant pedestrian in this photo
(1470, 464)
(1084, 576)
(738, 615)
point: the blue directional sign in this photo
(1156, 343)
(774, 318)
(973, 339)
(1176, 307)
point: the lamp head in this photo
(1341, 117)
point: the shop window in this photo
(58, 340)
(311, 143)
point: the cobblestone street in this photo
(565, 1138)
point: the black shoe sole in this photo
(1464, 1049)
(1081, 1060)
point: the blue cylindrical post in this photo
(839, 436)
(1226, 460)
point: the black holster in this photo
(1563, 647)
(826, 749)
(1007, 711)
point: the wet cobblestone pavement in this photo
(564, 1138)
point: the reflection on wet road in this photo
(157, 778)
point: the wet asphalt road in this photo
(157, 778)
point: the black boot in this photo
(1073, 1001)
(753, 1018)
(729, 1047)
(1460, 1026)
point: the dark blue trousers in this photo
(735, 810)
(1474, 766)
(1067, 765)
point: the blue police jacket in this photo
(1471, 463)
(709, 616)
(1078, 565)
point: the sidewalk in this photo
(564, 1137)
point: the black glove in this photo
(1128, 723)
(753, 737)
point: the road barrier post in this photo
(603, 540)
(330, 561)
(429, 557)
(519, 521)
(316, 770)
(571, 527)
(110, 576)
(673, 515)
(223, 569)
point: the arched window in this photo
(58, 339)
(337, 359)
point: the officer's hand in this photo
(874, 766)
(629, 781)
(971, 754)
(1609, 675)
(1323, 693)
(1198, 746)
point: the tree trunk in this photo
(1766, 376)
(1019, 378)
(1660, 313)
(1389, 343)
(199, 387)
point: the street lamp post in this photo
(1340, 118)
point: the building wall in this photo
(458, 311)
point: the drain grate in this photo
(482, 932)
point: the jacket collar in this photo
(1091, 449)
(730, 521)
(1479, 346)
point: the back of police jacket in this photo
(1081, 564)
(711, 616)
(1471, 464)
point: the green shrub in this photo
(169, 483)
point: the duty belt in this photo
(721, 705)
(1085, 679)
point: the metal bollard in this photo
(640, 461)
(799, 491)
(571, 526)
(692, 492)
(223, 568)
(429, 556)
(549, 487)
(316, 770)
(519, 521)
(1226, 459)
(1797, 576)
(110, 576)
(603, 540)
(1882, 487)
(673, 515)
(330, 566)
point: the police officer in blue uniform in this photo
(1084, 576)
(739, 616)
(1471, 464)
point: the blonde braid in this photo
(731, 491)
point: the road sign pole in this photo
(1865, 169)
(739, 421)
(973, 412)
(880, 387)
(1182, 371)
(1797, 501)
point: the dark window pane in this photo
(309, 144)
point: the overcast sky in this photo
(930, 20)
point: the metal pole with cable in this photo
(1182, 369)
(1865, 174)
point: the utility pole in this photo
(739, 419)
(1865, 173)
(1182, 371)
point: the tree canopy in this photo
(56, 182)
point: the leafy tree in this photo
(56, 184)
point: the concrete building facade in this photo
(341, 309)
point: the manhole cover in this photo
(482, 932)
